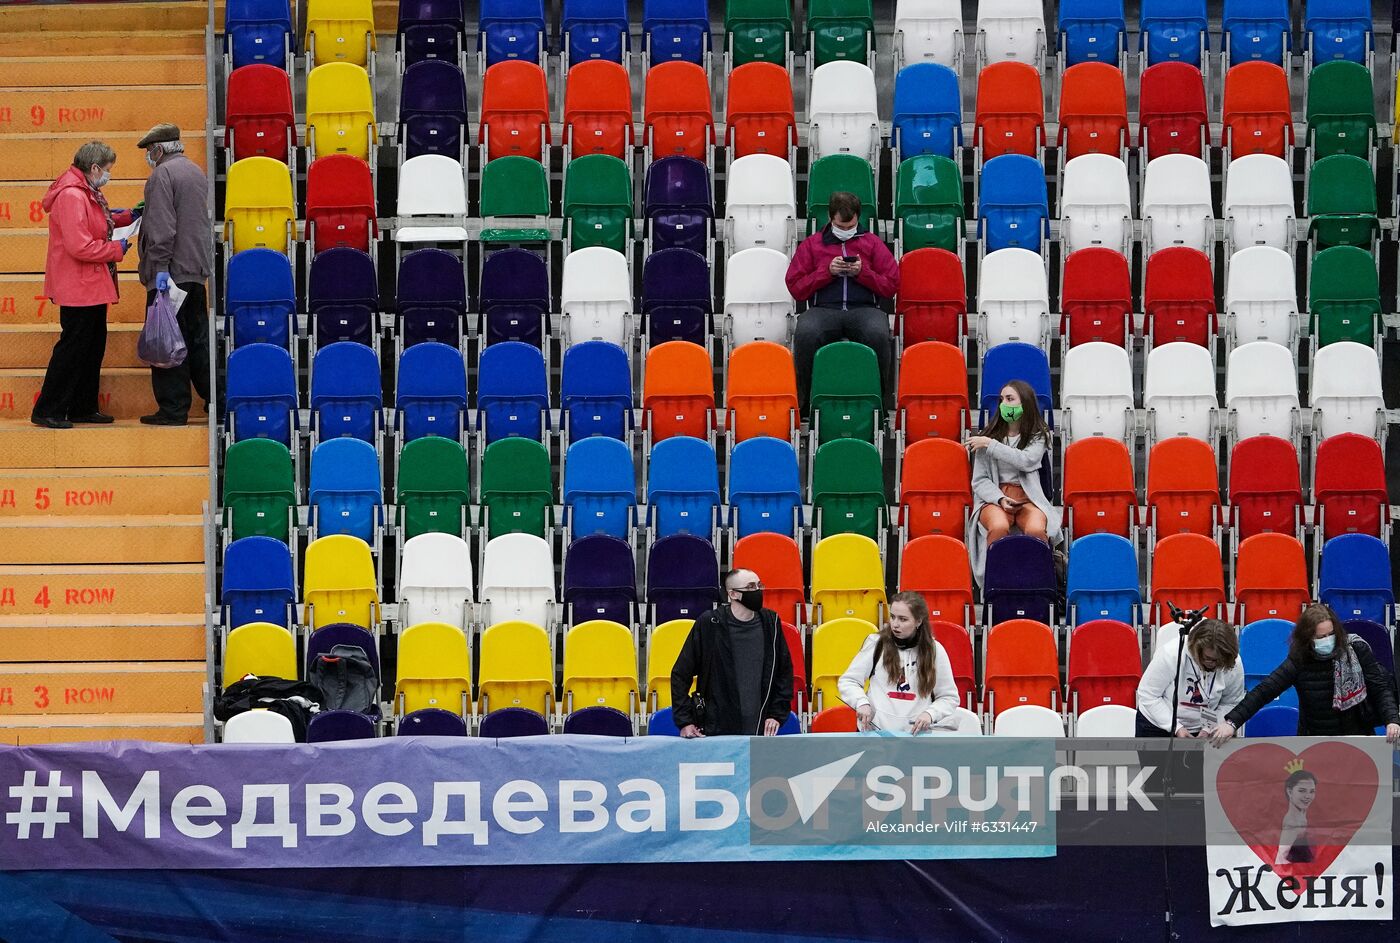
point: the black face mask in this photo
(904, 644)
(751, 599)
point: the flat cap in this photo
(158, 135)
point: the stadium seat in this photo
(1349, 486)
(1263, 647)
(1007, 362)
(1096, 209)
(258, 582)
(846, 397)
(340, 584)
(432, 297)
(1173, 31)
(778, 563)
(336, 725)
(1019, 580)
(927, 116)
(515, 205)
(848, 490)
(928, 204)
(1260, 303)
(1091, 31)
(432, 394)
(434, 669)
(848, 580)
(1378, 637)
(1259, 203)
(507, 722)
(1185, 570)
(801, 694)
(760, 206)
(683, 488)
(596, 297)
(1096, 298)
(935, 491)
(838, 719)
(1261, 391)
(1099, 494)
(600, 488)
(839, 30)
(1265, 490)
(1104, 666)
(957, 644)
(1103, 580)
(433, 110)
(1093, 111)
(1344, 296)
(1257, 116)
(513, 392)
(431, 30)
(339, 32)
(342, 297)
(515, 297)
(434, 488)
(517, 582)
(259, 495)
(1010, 116)
(1022, 666)
(1354, 578)
(598, 109)
(677, 114)
(678, 394)
(682, 578)
(929, 31)
(1345, 394)
(598, 203)
(834, 644)
(757, 304)
(510, 29)
(678, 206)
(258, 32)
(840, 172)
(340, 208)
(1178, 297)
(346, 496)
(431, 722)
(1172, 113)
(600, 580)
(932, 300)
(936, 567)
(1013, 299)
(346, 399)
(761, 392)
(260, 726)
(431, 186)
(1010, 29)
(662, 724)
(1341, 111)
(676, 29)
(1273, 720)
(261, 649)
(932, 396)
(322, 659)
(765, 494)
(1183, 492)
(1107, 721)
(758, 31)
(261, 394)
(514, 110)
(1012, 204)
(595, 391)
(593, 29)
(517, 490)
(664, 643)
(340, 112)
(260, 120)
(435, 579)
(260, 298)
(676, 302)
(1256, 29)
(259, 208)
(759, 116)
(1337, 30)
(1176, 204)
(1096, 393)
(1271, 578)
(1342, 203)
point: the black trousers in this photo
(817, 327)
(75, 366)
(171, 385)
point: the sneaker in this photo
(48, 422)
(93, 419)
(157, 419)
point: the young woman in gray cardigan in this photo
(1006, 461)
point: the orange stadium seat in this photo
(1098, 487)
(936, 567)
(778, 563)
(598, 109)
(935, 488)
(932, 300)
(758, 111)
(1186, 571)
(932, 397)
(1093, 110)
(678, 391)
(1010, 110)
(761, 391)
(1271, 578)
(678, 115)
(1021, 666)
(1257, 115)
(514, 110)
(1183, 487)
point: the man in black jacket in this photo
(739, 661)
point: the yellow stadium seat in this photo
(259, 208)
(262, 649)
(600, 667)
(834, 644)
(340, 583)
(340, 31)
(435, 669)
(848, 579)
(517, 668)
(663, 646)
(340, 112)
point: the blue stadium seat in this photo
(600, 580)
(1007, 362)
(1354, 578)
(514, 296)
(594, 29)
(1338, 29)
(432, 297)
(1019, 582)
(660, 724)
(432, 394)
(1263, 647)
(259, 31)
(595, 391)
(791, 726)
(346, 396)
(510, 29)
(683, 487)
(342, 296)
(1257, 29)
(261, 298)
(431, 29)
(927, 115)
(262, 394)
(676, 29)
(600, 487)
(513, 392)
(677, 203)
(1275, 720)
(682, 578)
(258, 583)
(764, 487)
(1091, 31)
(676, 298)
(1013, 208)
(346, 494)
(433, 109)
(1172, 30)
(1103, 579)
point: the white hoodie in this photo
(897, 706)
(1218, 690)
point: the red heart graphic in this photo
(1250, 785)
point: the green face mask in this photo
(1011, 413)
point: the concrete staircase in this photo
(102, 570)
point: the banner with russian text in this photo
(1299, 829)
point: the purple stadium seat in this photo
(600, 722)
(328, 637)
(1377, 637)
(513, 722)
(432, 722)
(678, 204)
(514, 296)
(676, 296)
(433, 109)
(329, 726)
(600, 580)
(1020, 579)
(432, 297)
(430, 29)
(682, 577)
(343, 296)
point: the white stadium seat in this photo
(1096, 209)
(1345, 391)
(259, 726)
(1029, 720)
(1260, 302)
(1261, 392)
(1013, 299)
(517, 580)
(757, 305)
(1096, 390)
(1258, 203)
(1010, 30)
(761, 204)
(1179, 392)
(435, 580)
(596, 297)
(929, 31)
(844, 111)
(1107, 720)
(1176, 204)
(432, 188)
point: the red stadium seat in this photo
(340, 203)
(1183, 487)
(514, 110)
(1096, 297)
(1349, 486)
(1010, 110)
(1178, 297)
(1172, 110)
(1021, 666)
(936, 567)
(801, 697)
(678, 391)
(1271, 579)
(1093, 110)
(260, 118)
(778, 563)
(1098, 487)
(838, 719)
(957, 642)
(761, 391)
(1266, 491)
(598, 109)
(932, 399)
(679, 119)
(1105, 665)
(758, 112)
(932, 301)
(1258, 117)
(935, 488)
(1186, 571)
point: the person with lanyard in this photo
(911, 687)
(1209, 685)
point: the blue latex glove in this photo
(162, 281)
(137, 210)
(125, 246)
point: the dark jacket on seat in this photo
(1312, 678)
(708, 659)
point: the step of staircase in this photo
(22, 301)
(103, 637)
(21, 201)
(80, 43)
(123, 392)
(85, 492)
(117, 18)
(97, 110)
(132, 538)
(29, 345)
(100, 70)
(37, 156)
(19, 730)
(91, 687)
(101, 588)
(23, 445)
(26, 250)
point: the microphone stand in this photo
(1185, 621)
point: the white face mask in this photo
(1324, 646)
(104, 178)
(151, 156)
(844, 234)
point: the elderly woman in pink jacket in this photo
(80, 276)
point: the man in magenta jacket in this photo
(842, 272)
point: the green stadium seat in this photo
(259, 489)
(839, 172)
(848, 489)
(514, 200)
(1342, 203)
(840, 29)
(928, 204)
(1341, 110)
(1344, 296)
(434, 487)
(517, 487)
(846, 400)
(758, 31)
(598, 203)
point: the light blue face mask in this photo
(1324, 646)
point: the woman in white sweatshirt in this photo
(910, 678)
(1211, 683)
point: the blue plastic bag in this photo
(161, 344)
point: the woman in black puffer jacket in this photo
(1342, 689)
